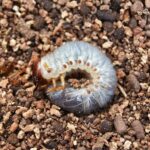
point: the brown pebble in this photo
(138, 128)
(84, 9)
(147, 3)
(12, 139)
(147, 33)
(13, 127)
(120, 125)
(137, 6)
(133, 82)
(7, 4)
(108, 26)
(107, 15)
(81, 148)
(40, 104)
(106, 126)
(132, 23)
(39, 23)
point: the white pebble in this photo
(127, 145)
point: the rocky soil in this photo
(28, 120)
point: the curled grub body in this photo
(73, 62)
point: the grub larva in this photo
(81, 78)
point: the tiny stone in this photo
(1, 128)
(107, 44)
(13, 127)
(137, 6)
(12, 139)
(81, 148)
(40, 104)
(6, 117)
(147, 3)
(64, 14)
(107, 15)
(133, 82)
(55, 112)
(127, 145)
(71, 127)
(4, 23)
(3, 83)
(120, 125)
(147, 33)
(108, 26)
(119, 34)
(39, 23)
(128, 31)
(106, 126)
(28, 128)
(72, 4)
(37, 133)
(28, 114)
(85, 10)
(51, 145)
(132, 23)
(12, 42)
(115, 5)
(47, 5)
(7, 4)
(21, 134)
(62, 2)
(138, 128)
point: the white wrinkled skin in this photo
(80, 101)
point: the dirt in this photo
(28, 119)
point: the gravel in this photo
(28, 119)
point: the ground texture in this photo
(28, 120)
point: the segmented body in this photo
(83, 56)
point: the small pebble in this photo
(47, 4)
(84, 9)
(108, 26)
(55, 112)
(132, 23)
(71, 127)
(147, 3)
(72, 4)
(1, 129)
(28, 114)
(13, 127)
(28, 127)
(21, 134)
(106, 126)
(51, 145)
(137, 6)
(107, 15)
(12, 139)
(120, 125)
(138, 128)
(7, 4)
(3, 83)
(39, 23)
(127, 145)
(133, 82)
(62, 2)
(107, 44)
(40, 104)
(115, 5)
(147, 33)
(119, 34)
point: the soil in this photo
(28, 119)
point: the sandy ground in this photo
(28, 120)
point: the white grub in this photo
(91, 95)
